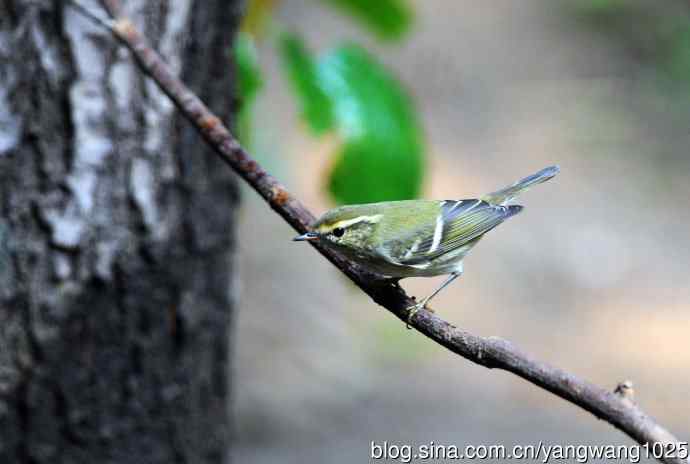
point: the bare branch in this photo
(617, 407)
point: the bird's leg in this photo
(415, 308)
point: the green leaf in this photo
(301, 70)
(249, 82)
(390, 19)
(348, 91)
(382, 157)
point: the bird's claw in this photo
(411, 311)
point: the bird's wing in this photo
(458, 223)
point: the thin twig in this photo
(614, 407)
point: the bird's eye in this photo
(338, 232)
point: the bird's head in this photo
(349, 227)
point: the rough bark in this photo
(116, 240)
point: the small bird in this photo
(418, 238)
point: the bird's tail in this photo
(503, 196)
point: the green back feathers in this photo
(455, 225)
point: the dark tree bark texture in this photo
(116, 239)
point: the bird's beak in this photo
(309, 236)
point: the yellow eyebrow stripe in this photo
(347, 223)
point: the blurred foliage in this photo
(655, 33)
(317, 110)
(257, 16)
(249, 82)
(389, 19)
(381, 157)
(346, 91)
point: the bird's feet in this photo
(414, 309)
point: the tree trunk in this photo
(116, 239)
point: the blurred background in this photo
(592, 277)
